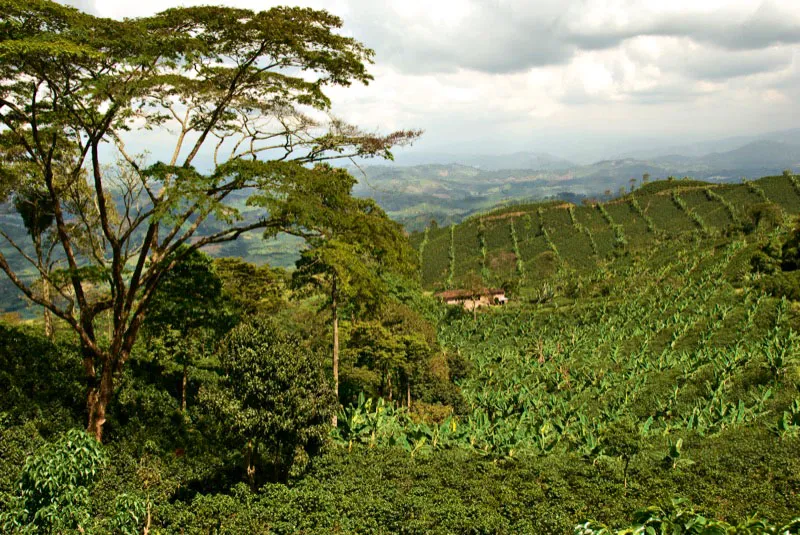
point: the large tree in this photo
(237, 93)
(353, 246)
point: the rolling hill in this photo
(531, 241)
(449, 192)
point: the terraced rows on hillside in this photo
(666, 347)
(670, 342)
(552, 235)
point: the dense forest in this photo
(644, 376)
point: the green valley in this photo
(221, 317)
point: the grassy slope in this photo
(669, 333)
(574, 247)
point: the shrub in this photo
(790, 252)
(54, 488)
(763, 216)
(782, 284)
(276, 398)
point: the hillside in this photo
(649, 352)
(449, 192)
(490, 162)
(531, 242)
(643, 361)
(218, 316)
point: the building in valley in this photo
(472, 299)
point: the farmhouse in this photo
(472, 299)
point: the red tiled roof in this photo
(466, 294)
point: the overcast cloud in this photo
(574, 77)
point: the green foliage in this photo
(77, 81)
(756, 190)
(693, 215)
(675, 457)
(790, 251)
(622, 439)
(675, 518)
(344, 271)
(765, 216)
(131, 515)
(613, 381)
(187, 317)
(53, 495)
(422, 246)
(249, 290)
(188, 297)
(547, 237)
(482, 244)
(620, 240)
(520, 264)
(654, 362)
(275, 397)
(583, 230)
(453, 492)
(780, 283)
(36, 209)
(38, 376)
(651, 227)
(781, 350)
(794, 182)
(395, 355)
(732, 212)
(451, 257)
(583, 239)
(788, 424)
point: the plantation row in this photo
(682, 353)
(656, 373)
(533, 241)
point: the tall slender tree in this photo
(187, 314)
(242, 95)
(354, 243)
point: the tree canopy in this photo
(241, 95)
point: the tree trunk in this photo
(408, 394)
(48, 318)
(389, 384)
(335, 312)
(40, 264)
(250, 466)
(98, 399)
(183, 385)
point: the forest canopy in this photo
(241, 90)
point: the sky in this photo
(581, 79)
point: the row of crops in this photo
(531, 240)
(673, 351)
(642, 362)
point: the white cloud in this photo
(513, 75)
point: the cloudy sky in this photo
(581, 79)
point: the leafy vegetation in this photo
(649, 355)
(663, 373)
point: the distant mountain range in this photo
(756, 155)
(451, 187)
(490, 162)
(705, 148)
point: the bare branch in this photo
(64, 315)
